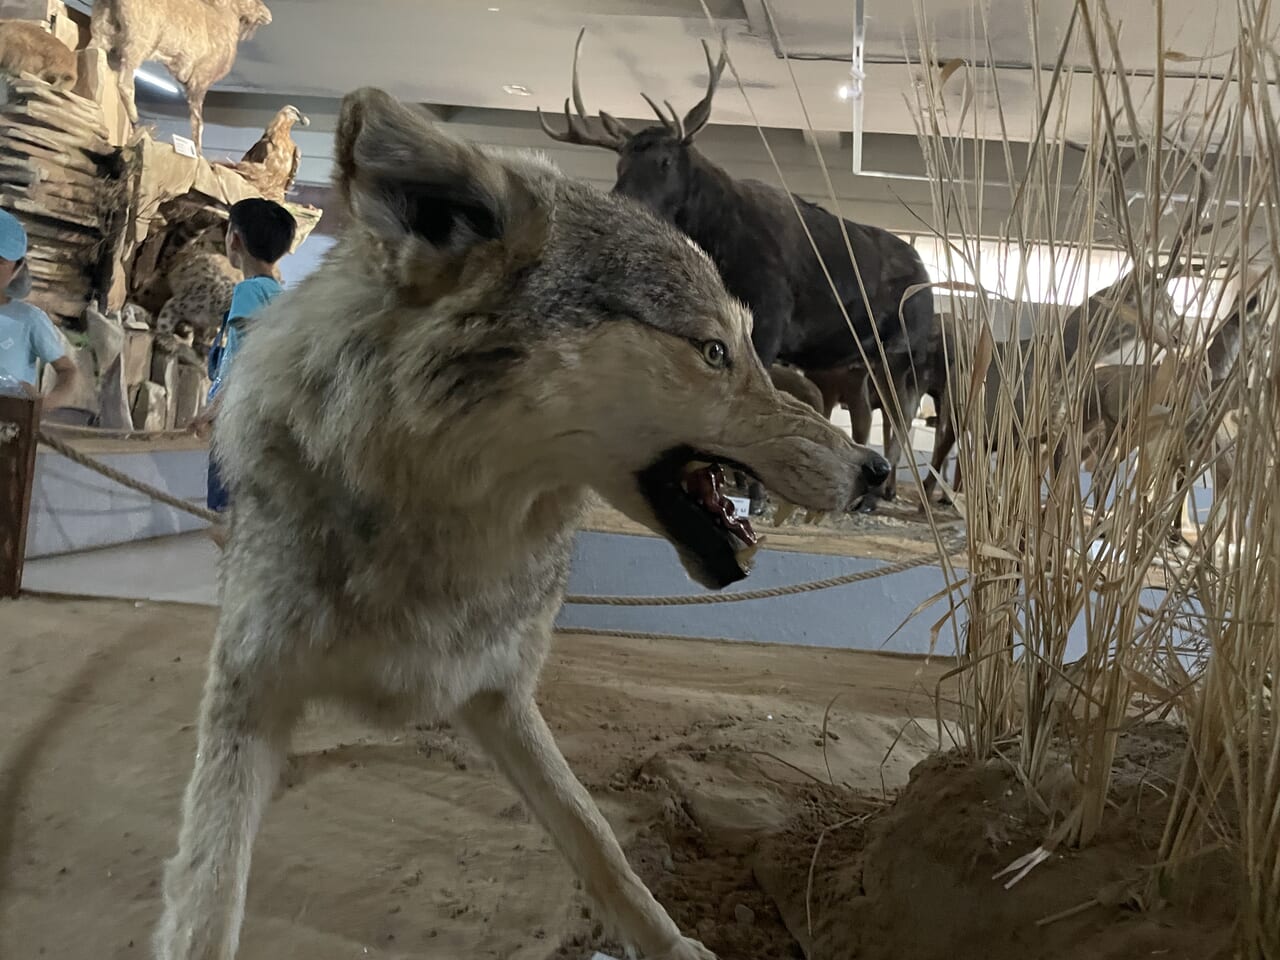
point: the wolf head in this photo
(489, 335)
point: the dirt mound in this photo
(916, 881)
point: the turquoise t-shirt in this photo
(248, 298)
(27, 335)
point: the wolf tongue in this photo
(714, 502)
(703, 484)
(739, 525)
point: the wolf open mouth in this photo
(683, 490)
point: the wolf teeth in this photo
(747, 555)
(783, 513)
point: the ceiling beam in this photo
(757, 19)
(825, 139)
(440, 112)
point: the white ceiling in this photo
(462, 52)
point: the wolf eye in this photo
(664, 163)
(715, 353)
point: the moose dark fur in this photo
(751, 231)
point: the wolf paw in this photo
(684, 950)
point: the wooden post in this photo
(19, 423)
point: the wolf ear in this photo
(401, 176)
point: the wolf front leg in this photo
(242, 739)
(512, 731)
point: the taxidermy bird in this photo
(271, 164)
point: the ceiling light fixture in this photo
(843, 91)
(517, 89)
(160, 83)
(493, 9)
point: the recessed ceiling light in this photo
(843, 91)
(493, 9)
(516, 89)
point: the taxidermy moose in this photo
(752, 233)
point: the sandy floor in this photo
(409, 845)
(764, 837)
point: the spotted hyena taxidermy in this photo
(201, 282)
(409, 442)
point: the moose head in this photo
(655, 164)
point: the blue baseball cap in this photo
(13, 239)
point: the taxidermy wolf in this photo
(409, 440)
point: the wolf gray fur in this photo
(792, 381)
(409, 440)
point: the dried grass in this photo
(1163, 183)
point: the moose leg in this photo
(897, 436)
(944, 439)
(857, 396)
(854, 389)
(512, 731)
(243, 735)
(892, 452)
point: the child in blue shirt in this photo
(27, 335)
(259, 234)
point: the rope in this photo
(763, 594)
(102, 433)
(68, 451)
(844, 580)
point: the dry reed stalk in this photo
(1156, 182)
(1230, 786)
(1208, 645)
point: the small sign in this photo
(741, 505)
(185, 147)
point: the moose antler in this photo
(616, 133)
(578, 130)
(698, 116)
(673, 122)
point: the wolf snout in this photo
(870, 471)
(875, 470)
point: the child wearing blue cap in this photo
(259, 234)
(27, 335)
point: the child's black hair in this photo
(266, 229)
